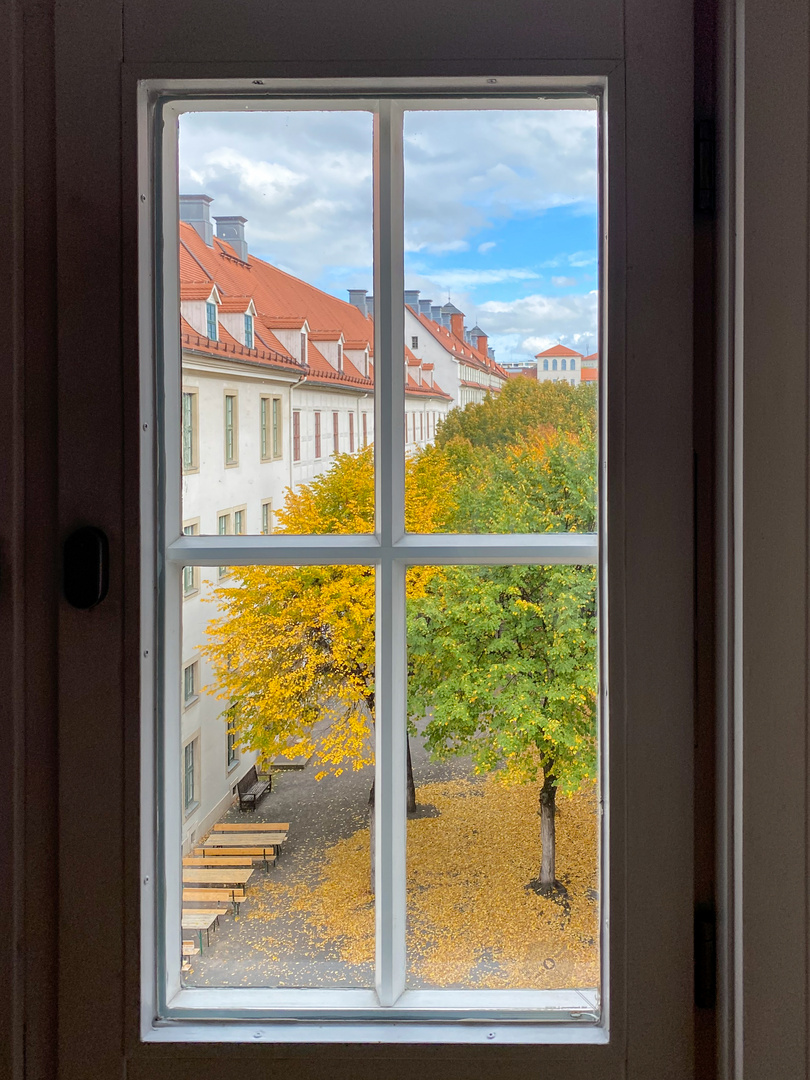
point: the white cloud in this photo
(304, 181)
(530, 324)
(563, 282)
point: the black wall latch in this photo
(86, 567)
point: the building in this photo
(559, 363)
(278, 376)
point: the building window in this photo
(191, 574)
(303, 348)
(264, 433)
(421, 427)
(276, 427)
(239, 522)
(231, 734)
(190, 680)
(335, 433)
(317, 434)
(223, 529)
(211, 321)
(351, 433)
(249, 331)
(230, 429)
(190, 435)
(365, 430)
(267, 517)
(296, 433)
(414, 342)
(190, 775)
(573, 363)
(562, 365)
(340, 357)
(545, 365)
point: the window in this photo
(211, 321)
(264, 433)
(545, 365)
(414, 342)
(391, 560)
(223, 529)
(249, 331)
(190, 794)
(365, 430)
(554, 365)
(277, 427)
(231, 737)
(239, 523)
(573, 363)
(421, 427)
(190, 436)
(230, 430)
(340, 357)
(296, 435)
(267, 517)
(191, 574)
(190, 677)
(303, 348)
(317, 434)
(335, 433)
(351, 432)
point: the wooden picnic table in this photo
(222, 876)
(237, 839)
(199, 921)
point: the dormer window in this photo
(340, 357)
(211, 321)
(303, 348)
(248, 331)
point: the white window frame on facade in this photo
(388, 1013)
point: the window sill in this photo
(191, 701)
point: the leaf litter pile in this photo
(471, 921)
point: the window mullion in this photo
(389, 810)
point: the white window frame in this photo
(386, 1014)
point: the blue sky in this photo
(500, 208)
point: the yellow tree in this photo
(292, 647)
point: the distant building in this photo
(559, 364)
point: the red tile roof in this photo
(589, 374)
(279, 298)
(229, 346)
(470, 355)
(559, 350)
(594, 356)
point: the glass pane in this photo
(503, 836)
(276, 784)
(501, 273)
(275, 240)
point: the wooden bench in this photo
(250, 789)
(216, 860)
(215, 896)
(266, 854)
(253, 826)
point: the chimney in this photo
(491, 353)
(424, 307)
(370, 306)
(357, 298)
(412, 299)
(455, 319)
(232, 229)
(482, 344)
(194, 210)
(436, 314)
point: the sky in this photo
(500, 209)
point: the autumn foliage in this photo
(502, 659)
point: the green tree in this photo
(502, 659)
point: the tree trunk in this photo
(371, 834)
(548, 810)
(411, 806)
(546, 884)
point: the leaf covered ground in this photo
(471, 920)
